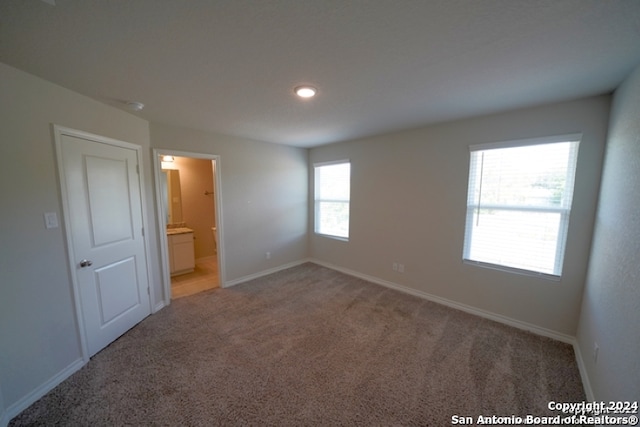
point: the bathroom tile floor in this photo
(205, 276)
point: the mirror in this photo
(173, 196)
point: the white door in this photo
(101, 188)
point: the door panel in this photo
(109, 205)
(115, 295)
(104, 208)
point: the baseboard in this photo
(28, 400)
(584, 375)
(262, 273)
(158, 307)
(206, 258)
(453, 304)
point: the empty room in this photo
(297, 212)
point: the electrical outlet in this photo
(596, 350)
(395, 266)
(400, 268)
(267, 255)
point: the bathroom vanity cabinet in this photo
(181, 253)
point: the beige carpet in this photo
(311, 346)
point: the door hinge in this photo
(142, 231)
(138, 169)
(148, 291)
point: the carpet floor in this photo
(311, 346)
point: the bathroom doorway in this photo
(189, 214)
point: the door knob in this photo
(85, 263)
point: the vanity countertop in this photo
(179, 230)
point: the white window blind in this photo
(518, 204)
(332, 188)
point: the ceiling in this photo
(379, 65)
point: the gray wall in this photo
(264, 203)
(611, 306)
(408, 205)
(264, 197)
(38, 333)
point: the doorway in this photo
(188, 193)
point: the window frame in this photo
(564, 210)
(316, 208)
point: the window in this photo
(518, 204)
(332, 194)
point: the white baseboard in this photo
(206, 258)
(158, 307)
(22, 404)
(456, 305)
(586, 383)
(262, 273)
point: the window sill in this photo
(545, 276)
(329, 236)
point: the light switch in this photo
(50, 220)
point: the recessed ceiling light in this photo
(305, 91)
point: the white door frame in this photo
(58, 131)
(162, 220)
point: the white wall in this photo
(408, 204)
(38, 334)
(264, 197)
(611, 305)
